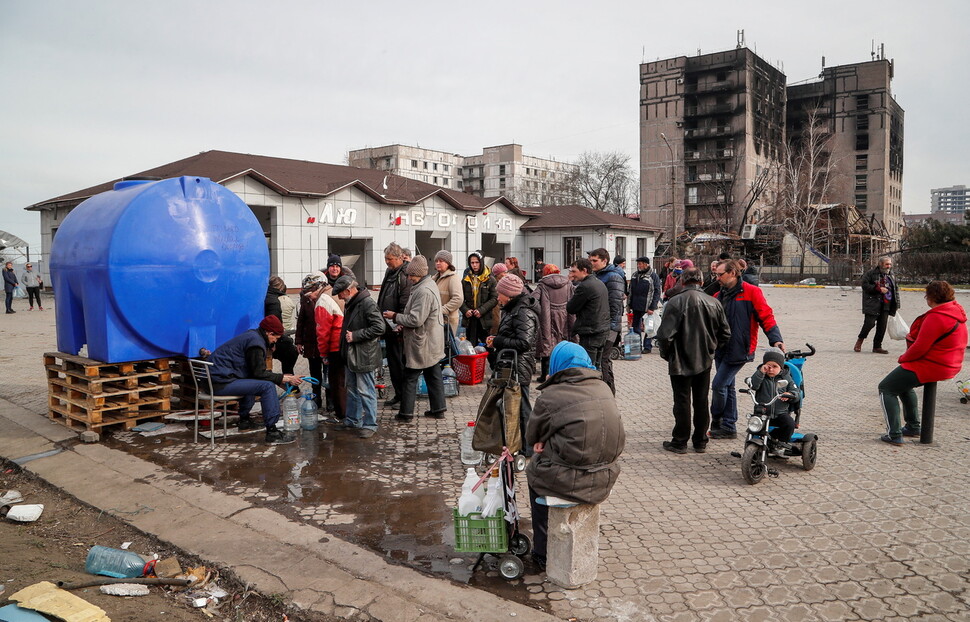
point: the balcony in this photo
(709, 109)
(714, 154)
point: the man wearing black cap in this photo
(644, 297)
(360, 350)
(336, 269)
(239, 368)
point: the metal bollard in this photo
(929, 413)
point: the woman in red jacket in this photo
(935, 347)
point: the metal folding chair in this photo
(202, 380)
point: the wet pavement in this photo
(875, 532)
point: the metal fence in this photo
(834, 273)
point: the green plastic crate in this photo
(474, 534)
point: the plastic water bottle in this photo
(469, 502)
(493, 498)
(632, 346)
(422, 386)
(480, 348)
(291, 413)
(308, 413)
(465, 347)
(450, 380)
(469, 455)
(114, 563)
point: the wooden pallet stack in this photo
(86, 393)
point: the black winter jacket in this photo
(271, 304)
(362, 318)
(872, 298)
(518, 330)
(693, 327)
(395, 290)
(615, 281)
(644, 290)
(591, 307)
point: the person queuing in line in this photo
(279, 303)
(499, 270)
(553, 292)
(577, 437)
(478, 290)
(666, 269)
(674, 278)
(590, 306)
(693, 328)
(424, 341)
(935, 348)
(33, 282)
(305, 337)
(330, 318)
(880, 299)
(360, 350)
(711, 283)
(513, 265)
(644, 298)
(746, 308)
(337, 269)
(517, 331)
(393, 296)
(749, 272)
(620, 262)
(239, 368)
(449, 286)
(407, 254)
(10, 283)
(615, 281)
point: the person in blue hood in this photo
(577, 435)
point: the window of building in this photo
(434, 166)
(460, 184)
(641, 247)
(425, 166)
(692, 172)
(414, 164)
(572, 249)
(862, 122)
(862, 142)
(460, 171)
(481, 171)
(861, 102)
(444, 182)
(528, 171)
(620, 247)
(387, 163)
(501, 182)
(692, 196)
(501, 169)
(436, 181)
(860, 181)
(860, 200)
(861, 162)
(444, 167)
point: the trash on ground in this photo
(171, 428)
(124, 546)
(809, 281)
(149, 426)
(198, 575)
(11, 496)
(25, 513)
(13, 613)
(217, 592)
(47, 598)
(125, 589)
(167, 568)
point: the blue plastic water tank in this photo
(157, 268)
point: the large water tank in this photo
(157, 268)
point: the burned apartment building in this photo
(711, 133)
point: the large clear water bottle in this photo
(450, 380)
(469, 501)
(115, 563)
(291, 413)
(632, 346)
(308, 413)
(469, 455)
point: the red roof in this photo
(298, 178)
(579, 217)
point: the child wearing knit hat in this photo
(764, 383)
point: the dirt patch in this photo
(55, 547)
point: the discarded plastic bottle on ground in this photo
(469, 502)
(308, 413)
(291, 413)
(468, 454)
(450, 380)
(493, 498)
(115, 563)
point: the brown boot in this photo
(858, 345)
(880, 351)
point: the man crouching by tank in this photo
(577, 436)
(239, 368)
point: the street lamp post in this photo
(673, 203)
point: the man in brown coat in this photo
(577, 435)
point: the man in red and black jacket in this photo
(746, 308)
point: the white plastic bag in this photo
(898, 328)
(650, 325)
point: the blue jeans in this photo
(249, 389)
(724, 399)
(361, 398)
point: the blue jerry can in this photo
(157, 268)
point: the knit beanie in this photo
(774, 355)
(272, 324)
(445, 256)
(334, 260)
(510, 286)
(499, 268)
(417, 267)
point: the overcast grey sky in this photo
(100, 89)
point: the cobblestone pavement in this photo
(875, 532)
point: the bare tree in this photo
(605, 181)
(721, 206)
(807, 180)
